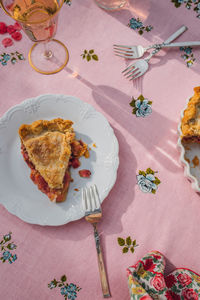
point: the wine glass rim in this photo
(33, 22)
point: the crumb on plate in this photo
(195, 161)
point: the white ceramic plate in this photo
(18, 193)
(189, 156)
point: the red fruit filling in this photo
(84, 173)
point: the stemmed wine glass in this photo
(39, 19)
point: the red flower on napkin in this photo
(146, 298)
(3, 28)
(157, 256)
(7, 42)
(175, 296)
(184, 279)
(17, 36)
(158, 282)
(149, 265)
(190, 294)
(170, 280)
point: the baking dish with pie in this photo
(189, 139)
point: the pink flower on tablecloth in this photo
(189, 294)
(158, 282)
(170, 280)
(184, 279)
(3, 28)
(11, 29)
(7, 42)
(17, 36)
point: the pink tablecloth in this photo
(167, 221)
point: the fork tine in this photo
(92, 198)
(129, 67)
(84, 200)
(88, 199)
(130, 71)
(124, 53)
(133, 73)
(123, 50)
(120, 55)
(98, 202)
(123, 46)
(136, 76)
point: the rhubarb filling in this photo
(57, 195)
(191, 139)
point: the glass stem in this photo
(47, 52)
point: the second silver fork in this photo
(132, 52)
(139, 67)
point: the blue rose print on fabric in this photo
(12, 57)
(188, 56)
(69, 291)
(147, 181)
(63, 291)
(6, 247)
(141, 106)
(195, 4)
(6, 255)
(136, 24)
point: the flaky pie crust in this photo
(190, 123)
(48, 147)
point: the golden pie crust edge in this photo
(190, 126)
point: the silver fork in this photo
(139, 67)
(132, 52)
(92, 207)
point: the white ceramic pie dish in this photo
(187, 156)
(19, 195)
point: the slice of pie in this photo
(190, 123)
(49, 149)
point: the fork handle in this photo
(168, 41)
(181, 44)
(102, 271)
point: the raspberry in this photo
(3, 28)
(17, 36)
(7, 42)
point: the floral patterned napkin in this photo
(146, 280)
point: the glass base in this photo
(50, 58)
(111, 5)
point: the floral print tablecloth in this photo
(152, 205)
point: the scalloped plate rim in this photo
(21, 105)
